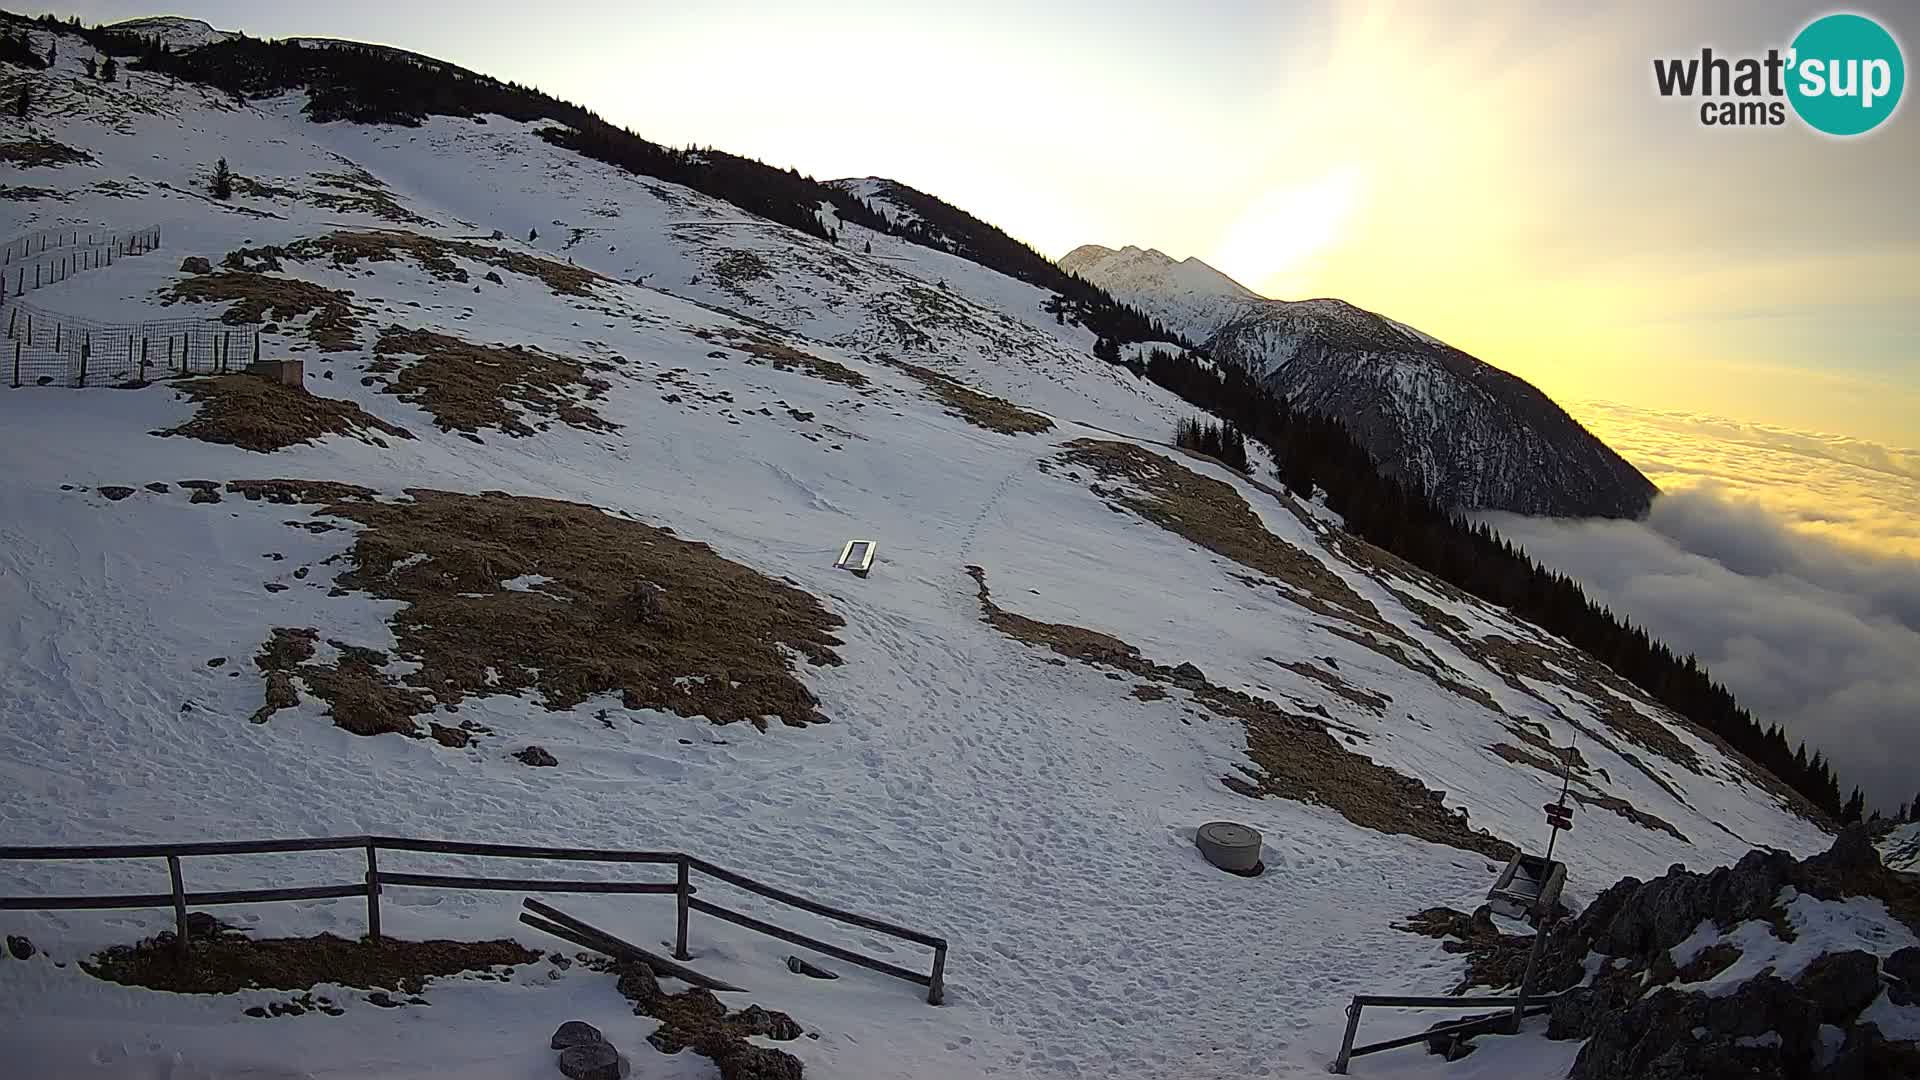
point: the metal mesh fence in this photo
(44, 258)
(47, 348)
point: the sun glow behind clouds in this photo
(1277, 238)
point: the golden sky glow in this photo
(1503, 176)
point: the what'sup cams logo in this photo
(1842, 75)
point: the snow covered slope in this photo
(1467, 433)
(1014, 755)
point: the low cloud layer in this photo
(1786, 561)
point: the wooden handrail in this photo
(371, 887)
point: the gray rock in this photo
(1189, 672)
(536, 755)
(158, 487)
(494, 277)
(1904, 966)
(194, 264)
(201, 926)
(576, 1033)
(114, 492)
(19, 947)
(1841, 984)
(592, 1061)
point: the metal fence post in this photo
(683, 894)
(16, 365)
(373, 895)
(179, 908)
(1339, 1067)
(85, 348)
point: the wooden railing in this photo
(682, 888)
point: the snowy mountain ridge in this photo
(1465, 432)
(583, 492)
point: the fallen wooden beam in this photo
(599, 940)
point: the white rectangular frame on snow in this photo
(856, 556)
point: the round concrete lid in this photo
(1229, 834)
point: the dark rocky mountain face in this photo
(1468, 434)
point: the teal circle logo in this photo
(1846, 74)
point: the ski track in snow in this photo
(1036, 815)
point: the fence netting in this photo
(49, 348)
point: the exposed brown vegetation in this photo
(37, 152)
(1297, 756)
(1515, 658)
(256, 296)
(358, 191)
(627, 608)
(360, 697)
(1212, 514)
(1584, 791)
(696, 1019)
(763, 347)
(299, 491)
(468, 387)
(13, 193)
(1148, 692)
(1494, 960)
(227, 962)
(1362, 697)
(263, 415)
(980, 410)
(436, 256)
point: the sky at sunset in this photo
(1503, 176)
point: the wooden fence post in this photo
(683, 894)
(937, 987)
(56, 335)
(143, 359)
(226, 349)
(16, 365)
(179, 908)
(373, 895)
(256, 346)
(85, 348)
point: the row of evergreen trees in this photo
(1222, 441)
(1313, 451)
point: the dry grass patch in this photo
(764, 348)
(37, 152)
(980, 410)
(1584, 791)
(260, 414)
(468, 387)
(12, 193)
(226, 962)
(358, 191)
(618, 607)
(1494, 960)
(1212, 514)
(1297, 756)
(1361, 697)
(437, 256)
(360, 697)
(256, 296)
(1516, 658)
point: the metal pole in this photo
(1346, 1044)
(179, 908)
(684, 892)
(373, 894)
(937, 986)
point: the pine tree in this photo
(1856, 805)
(869, 250)
(53, 52)
(23, 105)
(222, 180)
(93, 68)
(532, 235)
(109, 70)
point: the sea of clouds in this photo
(1786, 561)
